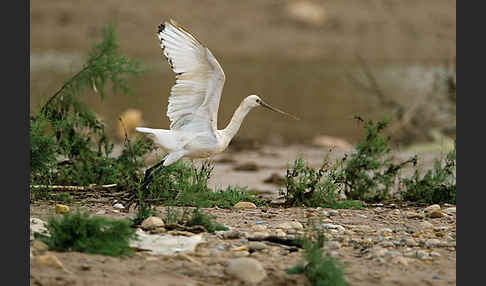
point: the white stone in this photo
(245, 269)
(290, 225)
(165, 244)
(152, 222)
(118, 206)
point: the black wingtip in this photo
(161, 28)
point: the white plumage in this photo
(194, 100)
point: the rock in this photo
(363, 228)
(433, 242)
(62, 209)
(450, 210)
(400, 260)
(49, 260)
(37, 226)
(290, 225)
(240, 254)
(333, 226)
(165, 244)
(387, 244)
(256, 246)
(378, 252)
(100, 212)
(245, 269)
(332, 212)
(250, 166)
(385, 232)
(259, 228)
(396, 212)
(118, 206)
(410, 214)
(435, 254)
(433, 211)
(333, 245)
(256, 236)
(426, 225)
(231, 234)
(421, 254)
(152, 222)
(245, 205)
(331, 142)
(410, 242)
(240, 248)
(39, 246)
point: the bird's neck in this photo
(235, 123)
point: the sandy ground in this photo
(362, 238)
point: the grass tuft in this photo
(80, 232)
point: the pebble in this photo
(257, 246)
(333, 226)
(231, 234)
(421, 254)
(245, 269)
(410, 242)
(426, 225)
(400, 260)
(332, 212)
(62, 209)
(100, 212)
(333, 245)
(396, 212)
(433, 242)
(258, 236)
(259, 227)
(385, 232)
(387, 244)
(433, 211)
(245, 205)
(450, 210)
(435, 254)
(152, 223)
(118, 206)
(410, 214)
(334, 253)
(290, 225)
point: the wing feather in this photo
(195, 96)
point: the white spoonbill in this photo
(194, 101)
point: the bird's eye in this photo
(258, 100)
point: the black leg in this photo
(149, 174)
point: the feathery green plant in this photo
(80, 232)
(436, 186)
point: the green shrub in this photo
(185, 184)
(320, 269)
(80, 232)
(369, 173)
(311, 187)
(436, 186)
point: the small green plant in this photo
(311, 187)
(369, 173)
(436, 186)
(80, 232)
(320, 269)
(173, 216)
(185, 184)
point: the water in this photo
(325, 95)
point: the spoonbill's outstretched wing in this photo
(194, 100)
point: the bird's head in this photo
(254, 101)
